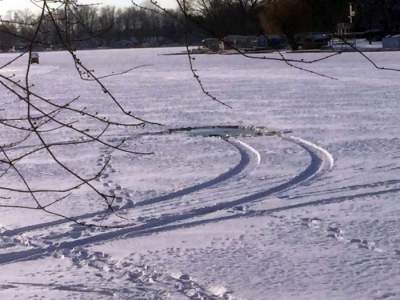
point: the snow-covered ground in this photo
(312, 213)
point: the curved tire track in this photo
(246, 152)
(249, 159)
(321, 161)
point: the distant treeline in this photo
(95, 26)
(92, 27)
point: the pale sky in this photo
(6, 5)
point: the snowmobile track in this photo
(249, 159)
(320, 162)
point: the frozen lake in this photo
(307, 212)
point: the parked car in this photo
(35, 58)
(313, 40)
(213, 44)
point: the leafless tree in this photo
(48, 126)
